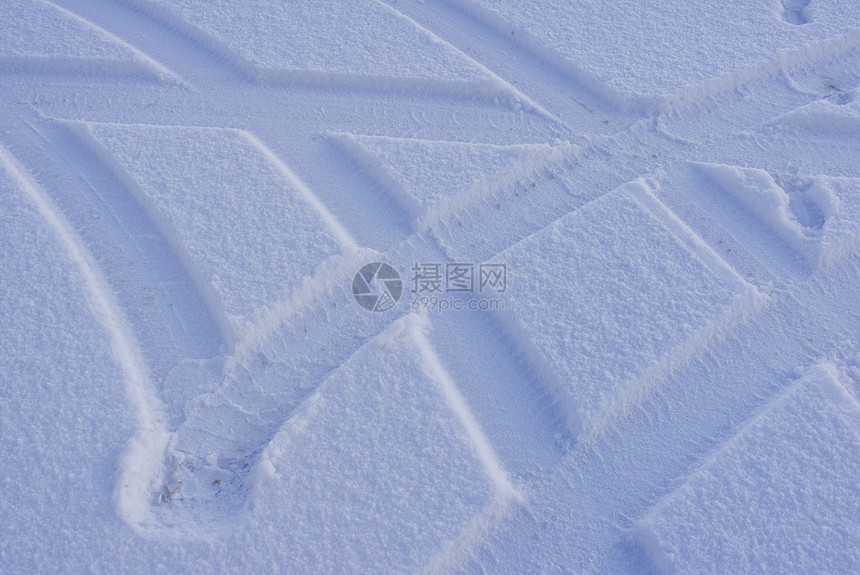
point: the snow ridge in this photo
(140, 467)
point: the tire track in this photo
(192, 61)
(141, 464)
(574, 101)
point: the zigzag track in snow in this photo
(295, 419)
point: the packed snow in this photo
(429, 286)
(648, 50)
(363, 42)
(190, 181)
(801, 455)
(819, 220)
(41, 36)
(434, 180)
(670, 296)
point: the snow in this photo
(195, 183)
(831, 220)
(667, 381)
(600, 350)
(53, 472)
(641, 51)
(293, 40)
(787, 483)
(345, 471)
(434, 180)
(840, 115)
(39, 35)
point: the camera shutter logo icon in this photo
(377, 287)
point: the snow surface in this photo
(840, 114)
(650, 49)
(801, 455)
(667, 381)
(191, 180)
(345, 477)
(434, 180)
(670, 296)
(38, 35)
(815, 220)
(372, 40)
